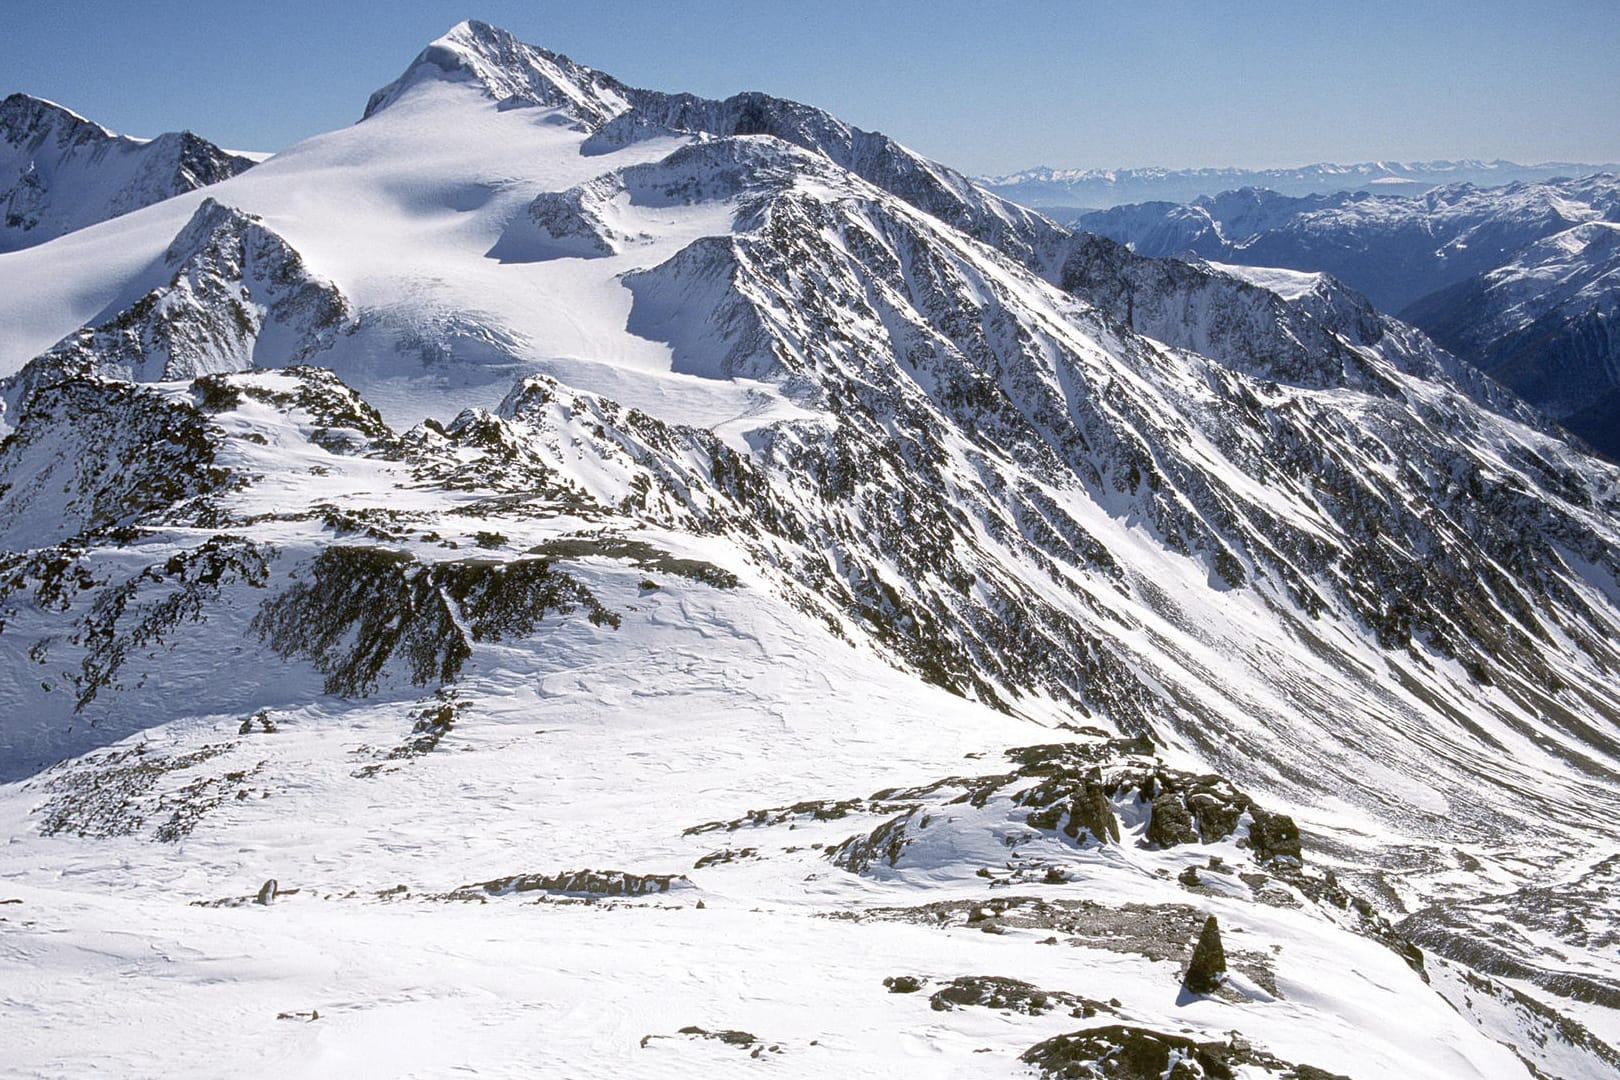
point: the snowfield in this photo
(590, 748)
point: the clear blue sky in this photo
(987, 87)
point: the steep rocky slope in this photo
(1518, 281)
(1545, 324)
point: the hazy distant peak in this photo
(1100, 188)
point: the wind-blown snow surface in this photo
(844, 560)
(584, 744)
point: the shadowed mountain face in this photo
(848, 541)
(60, 172)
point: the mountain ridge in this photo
(1094, 189)
(70, 172)
(1518, 280)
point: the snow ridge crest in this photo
(24, 118)
(513, 73)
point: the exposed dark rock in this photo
(1486, 933)
(729, 1037)
(1121, 1052)
(1274, 836)
(112, 794)
(333, 415)
(263, 897)
(726, 855)
(1207, 969)
(582, 883)
(363, 606)
(1091, 811)
(882, 845)
(151, 606)
(1171, 824)
(641, 555)
(743, 1040)
(430, 724)
(811, 810)
(1013, 995)
(259, 721)
(903, 984)
(1216, 805)
(89, 455)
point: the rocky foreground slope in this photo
(876, 631)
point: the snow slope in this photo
(626, 745)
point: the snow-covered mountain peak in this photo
(60, 172)
(24, 118)
(227, 294)
(618, 116)
(511, 72)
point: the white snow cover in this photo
(1049, 187)
(1288, 284)
(60, 172)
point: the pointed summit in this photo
(511, 72)
(24, 118)
(515, 74)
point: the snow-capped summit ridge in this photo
(511, 72)
(516, 74)
(23, 116)
(60, 172)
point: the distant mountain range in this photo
(1522, 280)
(1095, 189)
